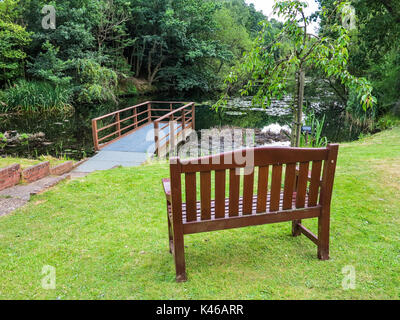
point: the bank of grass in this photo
(25, 163)
(106, 235)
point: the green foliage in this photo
(387, 122)
(76, 24)
(356, 115)
(25, 96)
(315, 139)
(3, 141)
(186, 44)
(47, 66)
(374, 51)
(180, 45)
(329, 53)
(13, 40)
(97, 83)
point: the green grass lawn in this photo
(25, 163)
(106, 235)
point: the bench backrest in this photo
(271, 179)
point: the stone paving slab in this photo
(24, 192)
(8, 205)
(17, 196)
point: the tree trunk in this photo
(298, 116)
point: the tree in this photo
(176, 43)
(111, 32)
(13, 40)
(293, 52)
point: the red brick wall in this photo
(9, 176)
(37, 172)
(62, 168)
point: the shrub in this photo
(98, 84)
(387, 122)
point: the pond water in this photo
(71, 136)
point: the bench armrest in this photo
(167, 189)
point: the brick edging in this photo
(36, 172)
(62, 168)
(10, 176)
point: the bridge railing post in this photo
(183, 124)
(149, 111)
(157, 138)
(117, 117)
(172, 141)
(193, 117)
(95, 136)
(135, 118)
(171, 107)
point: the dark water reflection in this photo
(65, 135)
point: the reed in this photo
(33, 96)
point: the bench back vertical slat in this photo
(276, 187)
(190, 188)
(302, 185)
(176, 195)
(262, 189)
(314, 183)
(328, 176)
(248, 191)
(290, 177)
(234, 188)
(220, 191)
(205, 195)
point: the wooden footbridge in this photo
(130, 136)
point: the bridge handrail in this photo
(186, 122)
(136, 122)
(168, 115)
(120, 111)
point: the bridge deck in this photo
(129, 151)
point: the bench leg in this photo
(179, 255)
(323, 236)
(295, 228)
(170, 238)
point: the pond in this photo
(70, 136)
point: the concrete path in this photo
(16, 197)
(130, 151)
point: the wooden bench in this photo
(291, 184)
